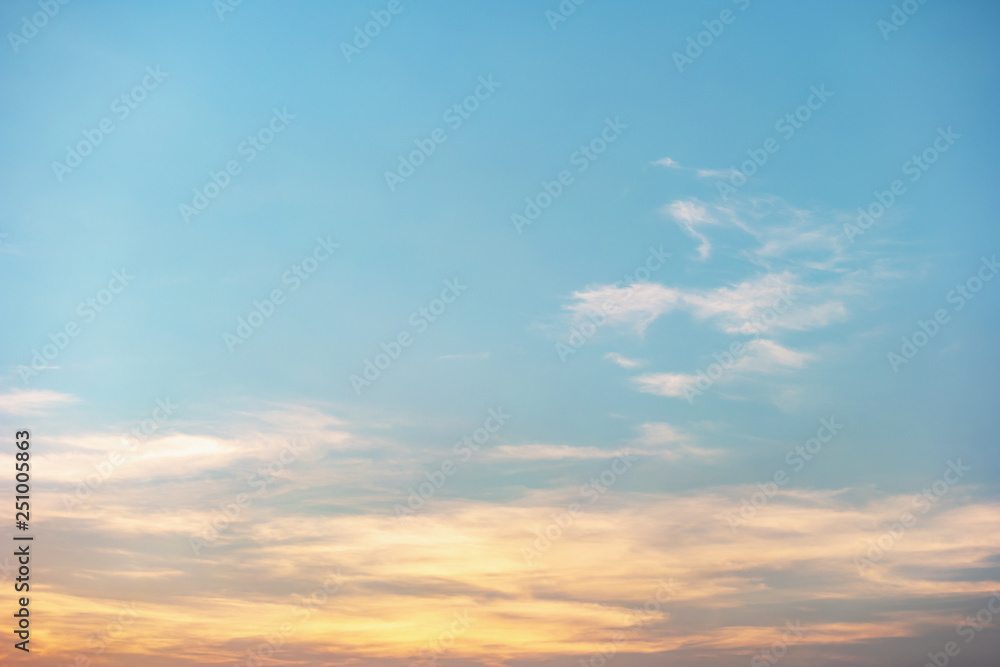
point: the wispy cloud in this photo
(701, 173)
(730, 307)
(760, 356)
(658, 439)
(666, 441)
(775, 231)
(716, 173)
(802, 278)
(667, 162)
(33, 401)
(541, 452)
(622, 361)
(689, 215)
(411, 577)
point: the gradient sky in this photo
(326, 468)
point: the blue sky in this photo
(655, 186)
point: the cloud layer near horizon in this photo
(401, 582)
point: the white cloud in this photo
(637, 305)
(655, 439)
(716, 173)
(660, 433)
(766, 356)
(33, 401)
(665, 384)
(667, 162)
(690, 214)
(664, 440)
(701, 173)
(776, 230)
(540, 452)
(731, 307)
(624, 362)
(758, 356)
(778, 296)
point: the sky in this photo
(505, 334)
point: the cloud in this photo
(551, 452)
(658, 439)
(689, 215)
(766, 356)
(716, 173)
(774, 231)
(465, 557)
(731, 308)
(803, 272)
(666, 441)
(624, 362)
(636, 306)
(403, 582)
(701, 173)
(660, 433)
(759, 356)
(33, 401)
(791, 305)
(667, 162)
(665, 384)
(802, 278)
